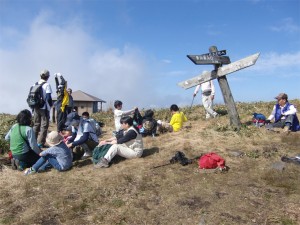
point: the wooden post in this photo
(229, 102)
(227, 96)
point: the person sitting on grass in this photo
(119, 113)
(84, 138)
(284, 115)
(149, 124)
(176, 122)
(67, 134)
(23, 143)
(57, 156)
(129, 146)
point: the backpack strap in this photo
(26, 141)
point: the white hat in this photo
(54, 138)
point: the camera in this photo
(180, 157)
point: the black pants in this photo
(61, 119)
(27, 159)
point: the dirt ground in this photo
(257, 189)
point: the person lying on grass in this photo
(129, 145)
(58, 156)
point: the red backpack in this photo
(211, 161)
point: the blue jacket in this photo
(295, 124)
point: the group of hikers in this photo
(77, 138)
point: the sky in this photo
(136, 50)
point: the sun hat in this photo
(54, 138)
(281, 96)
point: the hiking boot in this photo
(29, 171)
(102, 163)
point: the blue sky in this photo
(135, 50)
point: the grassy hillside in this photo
(255, 190)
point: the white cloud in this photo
(166, 61)
(286, 25)
(273, 61)
(87, 65)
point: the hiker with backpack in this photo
(58, 156)
(40, 101)
(84, 138)
(22, 141)
(208, 96)
(61, 102)
(284, 115)
(129, 146)
(149, 124)
(176, 122)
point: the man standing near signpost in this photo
(217, 59)
(208, 95)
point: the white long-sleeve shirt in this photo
(118, 114)
(206, 87)
(292, 110)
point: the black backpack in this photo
(35, 97)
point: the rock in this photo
(278, 166)
(236, 153)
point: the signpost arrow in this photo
(222, 71)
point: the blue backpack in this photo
(258, 119)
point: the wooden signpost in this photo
(217, 59)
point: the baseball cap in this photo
(281, 96)
(45, 72)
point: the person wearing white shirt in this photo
(41, 116)
(119, 113)
(284, 115)
(208, 95)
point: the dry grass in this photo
(132, 192)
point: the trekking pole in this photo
(166, 164)
(192, 103)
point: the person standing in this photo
(70, 105)
(62, 101)
(41, 116)
(284, 115)
(208, 96)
